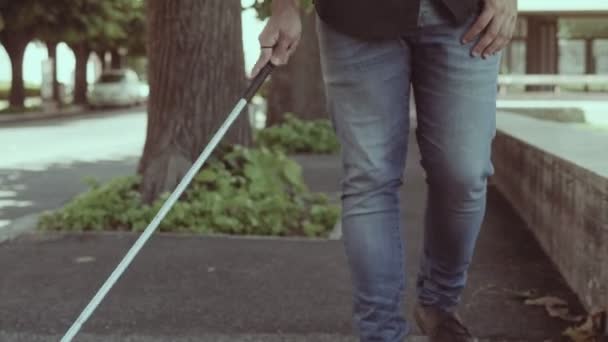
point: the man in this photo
(371, 52)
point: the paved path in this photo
(594, 106)
(182, 288)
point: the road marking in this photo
(15, 204)
(7, 193)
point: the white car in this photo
(118, 88)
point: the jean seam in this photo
(400, 256)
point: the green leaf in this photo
(206, 175)
(299, 136)
(240, 191)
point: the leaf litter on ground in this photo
(591, 328)
(555, 307)
(84, 259)
(521, 295)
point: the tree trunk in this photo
(15, 44)
(117, 59)
(279, 97)
(196, 74)
(81, 51)
(105, 66)
(298, 87)
(590, 62)
(307, 87)
(52, 51)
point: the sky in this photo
(36, 54)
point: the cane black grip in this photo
(258, 81)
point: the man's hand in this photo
(497, 23)
(281, 35)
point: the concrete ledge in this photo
(570, 115)
(556, 177)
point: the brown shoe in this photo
(441, 326)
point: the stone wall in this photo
(564, 204)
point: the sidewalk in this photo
(187, 288)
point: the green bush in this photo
(299, 136)
(30, 91)
(240, 191)
(20, 110)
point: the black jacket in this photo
(383, 19)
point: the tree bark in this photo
(307, 87)
(51, 47)
(15, 44)
(279, 99)
(298, 87)
(590, 62)
(101, 54)
(196, 75)
(117, 59)
(81, 51)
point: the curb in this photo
(130, 234)
(9, 119)
(24, 224)
(28, 224)
(237, 337)
(36, 116)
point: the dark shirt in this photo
(384, 19)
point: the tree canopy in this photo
(104, 24)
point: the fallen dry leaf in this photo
(593, 329)
(520, 295)
(84, 259)
(555, 307)
(546, 301)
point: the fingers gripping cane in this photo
(128, 258)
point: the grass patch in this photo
(299, 136)
(20, 110)
(239, 191)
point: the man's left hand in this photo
(496, 23)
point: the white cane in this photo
(128, 258)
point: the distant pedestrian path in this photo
(594, 106)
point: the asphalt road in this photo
(44, 163)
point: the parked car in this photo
(118, 88)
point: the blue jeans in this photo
(368, 90)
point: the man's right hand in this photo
(281, 35)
